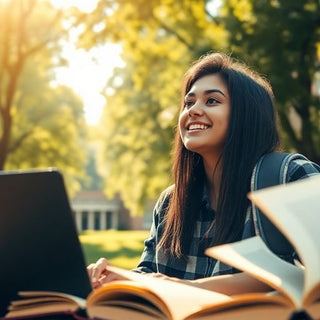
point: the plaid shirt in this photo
(198, 265)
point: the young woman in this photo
(227, 122)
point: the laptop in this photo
(39, 245)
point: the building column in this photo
(103, 220)
(91, 220)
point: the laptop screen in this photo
(39, 245)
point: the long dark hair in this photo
(252, 132)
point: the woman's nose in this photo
(195, 110)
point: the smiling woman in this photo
(203, 122)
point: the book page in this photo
(129, 295)
(180, 299)
(188, 302)
(44, 302)
(264, 311)
(254, 257)
(295, 209)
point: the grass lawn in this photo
(121, 248)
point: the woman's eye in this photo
(212, 101)
(188, 103)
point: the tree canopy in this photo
(41, 124)
(282, 40)
(140, 116)
(160, 39)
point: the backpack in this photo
(271, 170)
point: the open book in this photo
(141, 297)
(294, 208)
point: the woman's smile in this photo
(197, 126)
(203, 122)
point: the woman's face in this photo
(203, 122)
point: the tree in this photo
(282, 40)
(159, 39)
(41, 125)
(20, 39)
(49, 129)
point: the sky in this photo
(87, 71)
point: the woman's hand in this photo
(165, 277)
(99, 274)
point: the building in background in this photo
(94, 211)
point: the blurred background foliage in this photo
(123, 248)
(43, 122)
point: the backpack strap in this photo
(271, 170)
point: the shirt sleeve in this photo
(148, 261)
(301, 169)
